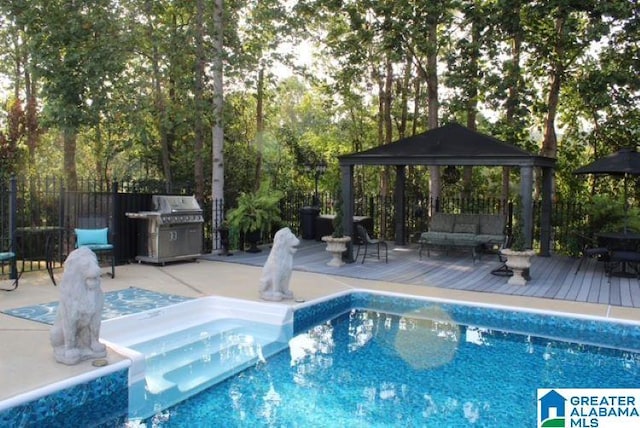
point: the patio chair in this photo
(591, 249)
(10, 258)
(367, 241)
(97, 240)
(624, 259)
(505, 270)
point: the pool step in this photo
(219, 366)
(215, 355)
(179, 350)
(172, 376)
(186, 336)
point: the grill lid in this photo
(166, 204)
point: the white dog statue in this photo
(76, 331)
(276, 273)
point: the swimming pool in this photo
(368, 359)
(361, 358)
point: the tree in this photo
(217, 155)
(77, 51)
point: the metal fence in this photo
(39, 216)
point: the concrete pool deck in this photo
(26, 357)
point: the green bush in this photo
(256, 211)
(607, 214)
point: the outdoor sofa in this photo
(472, 231)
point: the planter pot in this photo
(336, 246)
(224, 241)
(252, 239)
(519, 262)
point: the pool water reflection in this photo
(419, 367)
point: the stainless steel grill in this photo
(173, 232)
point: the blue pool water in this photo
(401, 362)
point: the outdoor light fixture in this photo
(317, 169)
(451, 174)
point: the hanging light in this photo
(451, 175)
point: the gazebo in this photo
(453, 144)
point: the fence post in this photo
(13, 210)
(115, 220)
(61, 220)
(510, 218)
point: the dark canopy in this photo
(454, 144)
(451, 144)
(624, 161)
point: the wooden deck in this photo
(552, 277)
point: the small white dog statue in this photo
(76, 331)
(276, 273)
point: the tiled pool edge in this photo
(599, 331)
(103, 399)
(101, 395)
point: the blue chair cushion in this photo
(85, 237)
(7, 256)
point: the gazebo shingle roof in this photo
(447, 145)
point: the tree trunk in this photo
(404, 106)
(217, 158)
(513, 98)
(550, 142)
(388, 134)
(198, 144)
(433, 105)
(69, 136)
(472, 99)
(259, 127)
(161, 115)
(100, 158)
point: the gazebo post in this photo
(346, 174)
(526, 196)
(400, 232)
(545, 220)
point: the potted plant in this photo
(518, 257)
(223, 231)
(337, 242)
(255, 214)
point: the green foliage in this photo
(128, 84)
(256, 211)
(338, 224)
(517, 233)
(11, 139)
(517, 243)
(607, 214)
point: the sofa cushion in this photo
(465, 228)
(490, 239)
(462, 239)
(432, 237)
(442, 223)
(491, 224)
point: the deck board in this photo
(554, 277)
